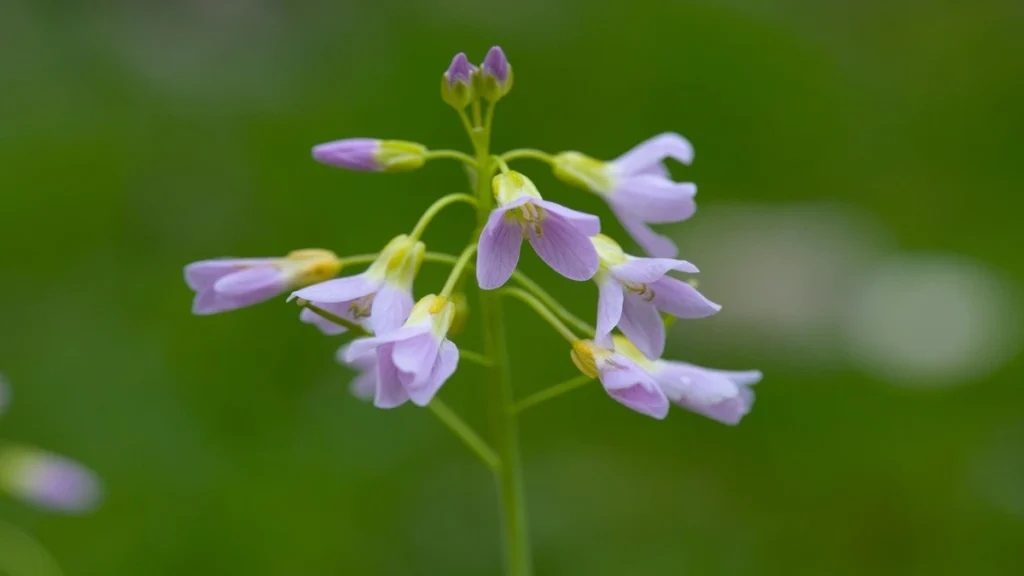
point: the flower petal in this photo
(629, 385)
(364, 385)
(609, 306)
(341, 309)
(390, 308)
(48, 480)
(717, 394)
(654, 244)
(587, 224)
(567, 250)
(646, 270)
(338, 290)
(656, 200)
(361, 346)
(250, 280)
(642, 324)
(202, 275)
(653, 151)
(681, 300)
(415, 357)
(447, 362)
(390, 392)
(498, 252)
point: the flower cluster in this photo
(404, 352)
(42, 478)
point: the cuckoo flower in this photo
(624, 380)
(231, 283)
(371, 155)
(364, 385)
(457, 82)
(560, 236)
(382, 294)
(633, 291)
(638, 187)
(413, 361)
(495, 78)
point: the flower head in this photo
(371, 155)
(457, 82)
(634, 290)
(413, 361)
(718, 394)
(382, 294)
(495, 75)
(47, 480)
(560, 236)
(624, 380)
(638, 187)
(231, 283)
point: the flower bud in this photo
(310, 266)
(457, 83)
(370, 155)
(608, 251)
(511, 186)
(583, 171)
(495, 77)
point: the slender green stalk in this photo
(501, 164)
(552, 392)
(435, 208)
(476, 115)
(541, 310)
(456, 273)
(474, 357)
(465, 433)
(530, 153)
(355, 328)
(451, 155)
(359, 259)
(509, 476)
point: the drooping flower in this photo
(721, 395)
(624, 380)
(371, 155)
(457, 82)
(495, 76)
(633, 292)
(364, 385)
(638, 187)
(560, 236)
(413, 361)
(232, 283)
(382, 294)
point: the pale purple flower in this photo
(638, 187)
(413, 361)
(623, 379)
(634, 291)
(364, 385)
(232, 283)
(371, 155)
(460, 71)
(495, 75)
(718, 394)
(382, 294)
(560, 236)
(47, 480)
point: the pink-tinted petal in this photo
(653, 151)
(249, 280)
(361, 346)
(390, 309)
(655, 199)
(202, 275)
(447, 362)
(587, 224)
(652, 243)
(609, 306)
(681, 300)
(48, 480)
(364, 385)
(341, 309)
(628, 384)
(367, 360)
(567, 250)
(390, 392)
(642, 324)
(717, 394)
(415, 357)
(644, 270)
(498, 252)
(339, 290)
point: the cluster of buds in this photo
(405, 354)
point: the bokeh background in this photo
(860, 177)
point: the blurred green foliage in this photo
(138, 136)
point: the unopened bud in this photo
(457, 83)
(495, 77)
(583, 171)
(370, 155)
(511, 186)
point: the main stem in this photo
(509, 475)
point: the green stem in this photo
(359, 259)
(509, 476)
(436, 207)
(501, 164)
(456, 273)
(451, 155)
(528, 153)
(552, 392)
(465, 433)
(352, 326)
(474, 357)
(542, 310)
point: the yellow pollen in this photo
(438, 304)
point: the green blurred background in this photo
(860, 177)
